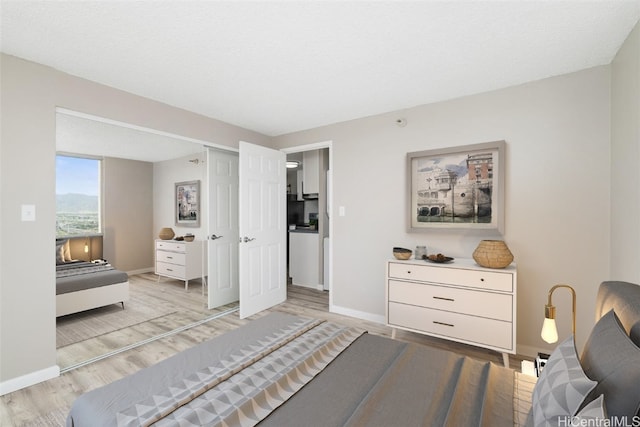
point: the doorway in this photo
(260, 277)
(309, 216)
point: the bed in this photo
(285, 370)
(83, 285)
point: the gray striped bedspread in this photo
(76, 269)
(283, 370)
(81, 275)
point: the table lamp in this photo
(549, 331)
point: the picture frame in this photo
(187, 203)
(457, 188)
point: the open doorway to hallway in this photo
(308, 217)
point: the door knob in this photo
(214, 237)
(248, 239)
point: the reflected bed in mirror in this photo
(136, 160)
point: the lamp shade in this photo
(549, 331)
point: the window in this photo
(78, 196)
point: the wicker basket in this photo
(493, 254)
(166, 233)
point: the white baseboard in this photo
(24, 381)
(140, 271)
(306, 285)
(532, 352)
(357, 314)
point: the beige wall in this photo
(560, 182)
(166, 174)
(557, 192)
(30, 93)
(128, 213)
(625, 157)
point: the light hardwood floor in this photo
(162, 306)
(48, 403)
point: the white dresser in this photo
(458, 301)
(180, 260)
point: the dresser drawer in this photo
(471, 329)
(171, 257)
(453, 276)
(172, 270)
(477, 303)
(171, 246)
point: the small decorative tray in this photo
(439, 258)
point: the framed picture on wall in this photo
(456, 187)
(187, 201)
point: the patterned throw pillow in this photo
(593, 411)
(613, 360)
(562, 386)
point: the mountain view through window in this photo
(77, 196)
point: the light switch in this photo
(341, 211)
(28, 212)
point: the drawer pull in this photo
(442, 323)
(444, 299)
(169, 257)
(482, 279)
(168, 269)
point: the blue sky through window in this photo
(77, 175)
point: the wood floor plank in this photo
(47, 404)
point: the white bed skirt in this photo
(87, 299)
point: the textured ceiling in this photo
(279, 67)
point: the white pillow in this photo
(59, 253)
(561, 388)
(67, 251)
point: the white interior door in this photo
(223, 283)
(262, 203)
